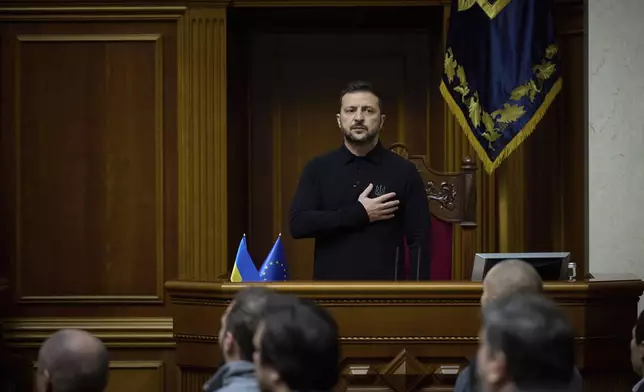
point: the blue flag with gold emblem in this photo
(501, 73)
(275, 268)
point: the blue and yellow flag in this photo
(244, 269)
(502, 71)
(275, 268)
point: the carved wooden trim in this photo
(384, 339)
(203, 233)
(218, 293)
(452, 196)
(352, 339)
(333, 3)
(114, 332)
(91, 13)
(249, 3)
(349, 3)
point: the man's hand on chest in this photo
(381, 207)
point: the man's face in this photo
(637, 354)
(360, 118)
(490, 367)
(266, 377)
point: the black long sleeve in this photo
(416, 222)
(325, 206)
(308, 220)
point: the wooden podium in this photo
(408, 336)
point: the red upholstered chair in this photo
(452, 205)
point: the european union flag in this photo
(275, 268)
(502, 71)
(244, 269)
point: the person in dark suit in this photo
(637, 352)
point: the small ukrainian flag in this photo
(244, 269)
(275, 268)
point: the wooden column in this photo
(203, 252)
(511, 208)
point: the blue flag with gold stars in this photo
(274, 268)
(501, 72)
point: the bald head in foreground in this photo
(511, 277)
(72, 360)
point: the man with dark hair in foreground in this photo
(296, 348)
(362, 201)
(72, 361)
(526, 344)
(238, 325)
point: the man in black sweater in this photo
(361, 202)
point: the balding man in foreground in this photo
(72, 360)
(507, 278)
(511, 277)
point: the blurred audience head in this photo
(526, 344)
(239, 323)
(637, 346)
(72, 360)
(296, 348)
(510, 277)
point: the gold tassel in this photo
(526, 131)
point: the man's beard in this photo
(369, 137)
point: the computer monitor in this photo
(549, 265)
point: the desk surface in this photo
(462, 289)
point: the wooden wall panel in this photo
(89, 166)
(144, 376)
(136, 376)
(89, 162)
